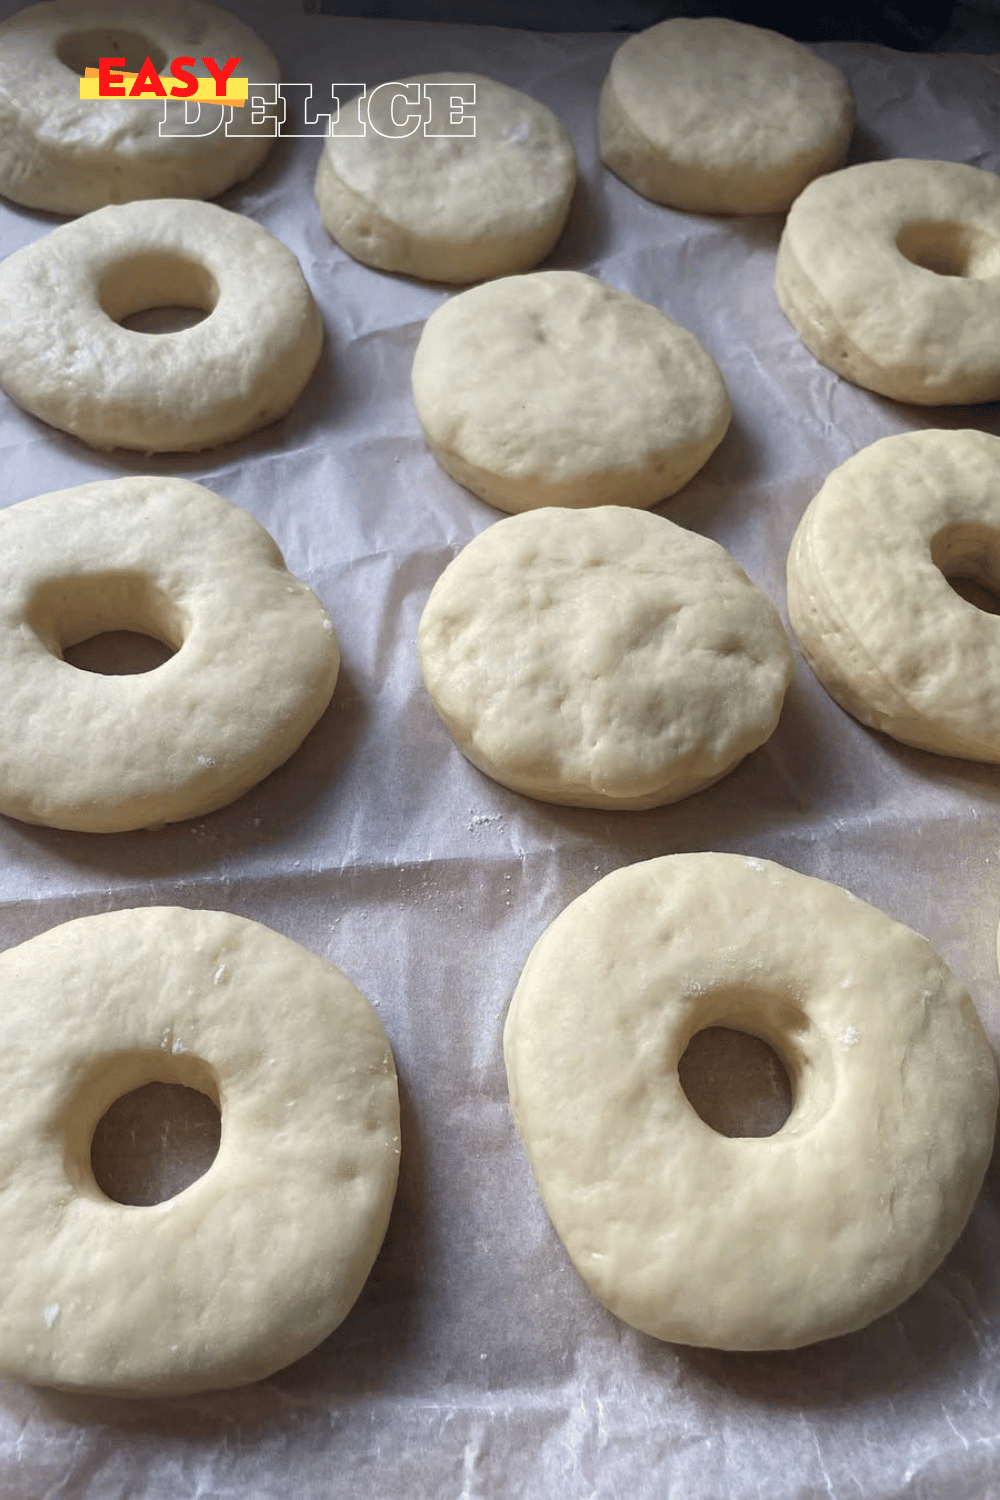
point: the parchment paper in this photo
(475, 1363)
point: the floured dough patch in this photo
(602, 657)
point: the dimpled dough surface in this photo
(625, 404)
(602, 657)
(747, 1243)
(259, 1259)
(713, 116)
(450, 207)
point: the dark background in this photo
(912, 25)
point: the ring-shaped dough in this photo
(747, 1243)
(258, 1260)
(717, 117)
(626, 405)
(889, 272)
(602, 657)
(869, 598)
(67, 155)
(255, 663)
(65, 357)
(449, 207)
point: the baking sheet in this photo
(475, 1362)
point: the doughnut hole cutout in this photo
(967, 554)
(116, 624)
(157, 292)
(949, 248)
(126, 1145)
(735, 1082)
(744, 1059)
(157, 1139)
(80, 50)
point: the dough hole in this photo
(164, 319)
(81, 50)
(968, 555)
(735, 1082)
(154, 1142)
(77, 611)
(950, 249)
(118, 653)
(169, 285)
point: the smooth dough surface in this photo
(747, 1243)
(448, 207)
(717, 117)
(67, 155)
(890, 274)
(556, 389)
(258, 1260)
(869, 598)
(65, 357)
(254, 667)
(602, 658)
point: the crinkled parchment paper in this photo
(475, 1363)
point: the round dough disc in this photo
(68, 155)
(747, 1243)
(450, 208)
(625, 404)
(717, 117)
(258, 1260)
(890, 274)
(869, 595)
(602, 658)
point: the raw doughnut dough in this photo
(68, 155)
(747, 1243)
(717, 117)
(890, 274)
(869, 597)
(257, 1261)
(451, 208)
(555, 389)
(602, 658)
(65, 358)
(255, 663)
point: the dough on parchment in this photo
(889, 272)
(602, 657)
(70, 155)
(717, 117)
(750, 1242)
(67, 357)
(869, 595)
(449, 207)
(257, 1261)
(254, 666)
(556, 389)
